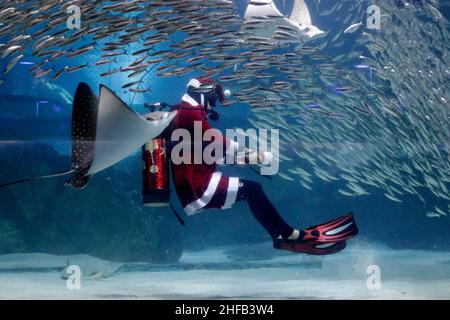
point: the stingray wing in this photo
(121, 131)
(261, 8)
(106, 131)
(300, 13)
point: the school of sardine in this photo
(368, 107)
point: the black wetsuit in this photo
(262, 209)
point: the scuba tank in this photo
(156, 182)
(156, 171)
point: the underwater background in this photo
(107, 219)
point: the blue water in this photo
(108, 220)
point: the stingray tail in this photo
(54, 175)
(84, 124)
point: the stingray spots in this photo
(84, 123)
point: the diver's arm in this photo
(153, 116)
(234, 150)
(242, 155)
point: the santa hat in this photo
(206, 84)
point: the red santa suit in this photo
(201, 186)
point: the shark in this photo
(298, 20)
(105, 130)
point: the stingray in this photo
(299, 20)
(91, 268)
(104, 131)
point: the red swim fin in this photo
(323, 239)
(340, 229)
(310, 247)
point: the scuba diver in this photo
(98, 121)
(201, 186)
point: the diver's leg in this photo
(263, 210)
(322, 239)
(328, 238)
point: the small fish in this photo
(346, 193)
(155, 61)
(10, 50)
(109, 73)
(344, 89)
(80, 52)
(433, 215)
(354, 27)
(59, 73)
(112, 54)
(140, 90)
(42, 73)
(391, 197)
(440, 211)
(12, 64)
(130, 84)
(105, 61)
(285, 177)
(139, 52)
(76, 68)
(196, 59)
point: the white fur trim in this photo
(188, 99)
(194, 83)
(198, 205)
(233, 187)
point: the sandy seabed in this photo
(247, 272)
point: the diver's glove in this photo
(254, 157)
(265, 158)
